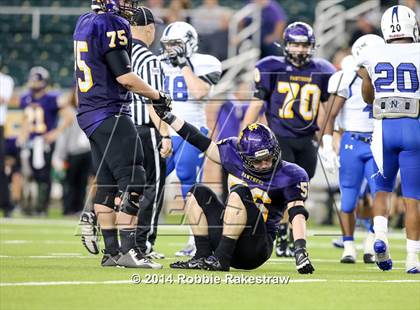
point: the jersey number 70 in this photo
(308, 101)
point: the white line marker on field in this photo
(59, 283)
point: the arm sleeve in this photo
(262, 82)
(118, 62)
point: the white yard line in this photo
(113, 282)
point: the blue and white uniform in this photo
(186, 159)
(394, 71)
(356, 119)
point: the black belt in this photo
(362, 138)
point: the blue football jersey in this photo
(99, 94)
(292, 94)
(289, 182)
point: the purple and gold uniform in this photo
(100, 95)
(292, 94)
(41, 113)
(287, 183)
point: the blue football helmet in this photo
(125, 8)
(299, 32)
(257, 142)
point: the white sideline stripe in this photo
(60, 283)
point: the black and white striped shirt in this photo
(147, 66)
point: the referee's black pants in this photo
(152, 202)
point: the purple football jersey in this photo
(41, 113)
(292, 94)
(289, 182)
(99, 94)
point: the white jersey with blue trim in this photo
(356, 115)
(394, 69)
(183, 104)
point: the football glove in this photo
(178, 57)
(163, 107)
(328, 157)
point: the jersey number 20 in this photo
(382, 84)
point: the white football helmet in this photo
(364, 42)
(180, 33)
(399, 22)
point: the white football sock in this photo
(380, 226)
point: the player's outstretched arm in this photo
(253, 112)
(119, 63)
(188, 132)
(297, 217)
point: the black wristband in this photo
(166, 137)
(192, 135)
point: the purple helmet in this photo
(125, 8)
(257, 142)
(299, 32)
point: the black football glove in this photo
(303, 264)
(178, 57)
(163, 107)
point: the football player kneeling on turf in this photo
(240, 233)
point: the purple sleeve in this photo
(113, 33)
(262, 79)
(298, 185)
(327, 71)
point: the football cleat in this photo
(412, 264)
(368, 258)
(303, 264)
(349, 256)
(90, 233)
(338, 243)
(109, 260)
(193, 263)
(382, 257)
(135, 259)
(155, 255)
(282, 248)
(189, 250)
(212, 263)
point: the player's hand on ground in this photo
(303, 264)
(179, 59)
(329, 159)
(166, 147)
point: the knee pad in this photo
(105, 196)
(293, 211)
(131, 179)
(130, 203)
(202, 194)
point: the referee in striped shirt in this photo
(153, 133)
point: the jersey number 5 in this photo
(87, 82)
(308, 102)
